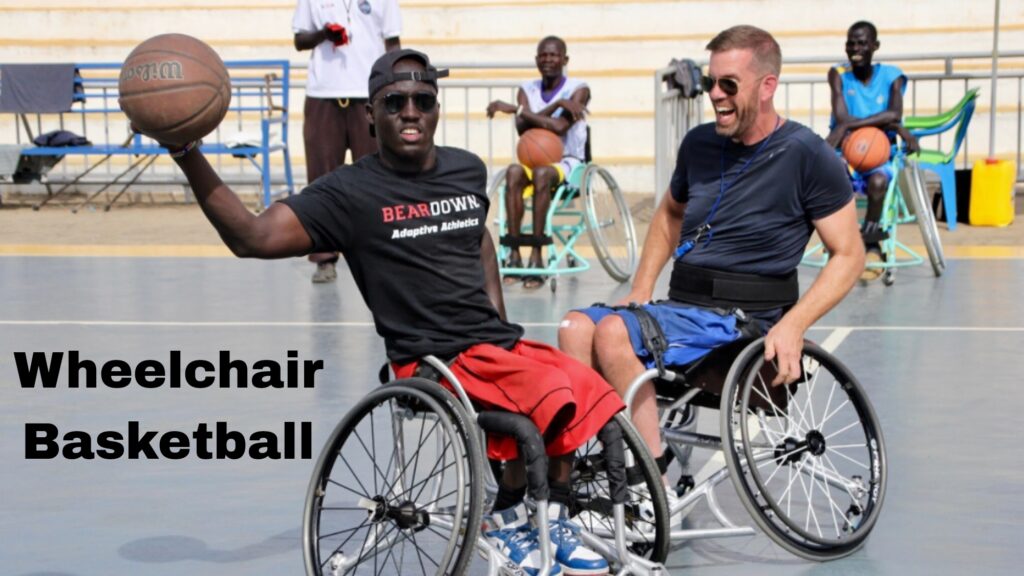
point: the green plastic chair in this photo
(936, 160)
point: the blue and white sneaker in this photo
(509, 531)
(570, 553)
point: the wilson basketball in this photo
(174, 88)
(866, 148)
(539, 147)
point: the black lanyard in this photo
(705, 228)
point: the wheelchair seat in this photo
(708, 375)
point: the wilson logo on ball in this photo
(174, 88)
(166, 70)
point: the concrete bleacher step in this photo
(615, 45)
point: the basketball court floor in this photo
(940, 359)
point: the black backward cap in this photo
(382, 72)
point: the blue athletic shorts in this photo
(691, 331)
(859, 180)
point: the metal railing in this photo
(802, 96)
(806, 99)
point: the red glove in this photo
(337, 34)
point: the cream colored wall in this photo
(615, 45)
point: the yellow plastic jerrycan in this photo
(992, 193)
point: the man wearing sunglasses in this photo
(747, 192)
(344, 38)
(868, 94)
(556, 103)
(411, 222)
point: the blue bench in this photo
(258, 88)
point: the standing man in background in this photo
(346, 37)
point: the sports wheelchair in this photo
(906, 184)
(401, 484)
(605, 216)
(807, 459)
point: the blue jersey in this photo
(863, 100)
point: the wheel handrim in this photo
(409, 505)
(817, 448)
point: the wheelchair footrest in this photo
(684, 485)
(531, 240)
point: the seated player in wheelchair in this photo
(868, 94)
(557, 103)
(746, 194)
(410, 221)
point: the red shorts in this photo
(569, 402)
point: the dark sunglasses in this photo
(394, 102)
(728, 85)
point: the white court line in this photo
(830, 343)
(833, 340)
(926, 328)
(843, 330)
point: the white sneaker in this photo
(509, 531)
(567, 549)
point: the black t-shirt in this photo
(766, 215)
(413, 245)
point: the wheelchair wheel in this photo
(609, 223)
(807, 460)
(396, 489)
(496, 217)
(647, 515)
(926, 221)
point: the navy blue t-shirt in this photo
(765, 217)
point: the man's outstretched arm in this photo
(275, 233)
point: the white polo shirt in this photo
(344, 71)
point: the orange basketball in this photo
(866, 148)
(539, 147)
(174, 88)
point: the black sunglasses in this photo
(728, 85)
(394, 102)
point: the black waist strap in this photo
(707, 287)
(518, 241)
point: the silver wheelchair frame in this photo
(811, 456)
(455, 415)
(604, 216)
(906, 202)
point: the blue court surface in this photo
(940, 359)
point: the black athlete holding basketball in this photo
(866, 93)
(556, 103)
(411, 222)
